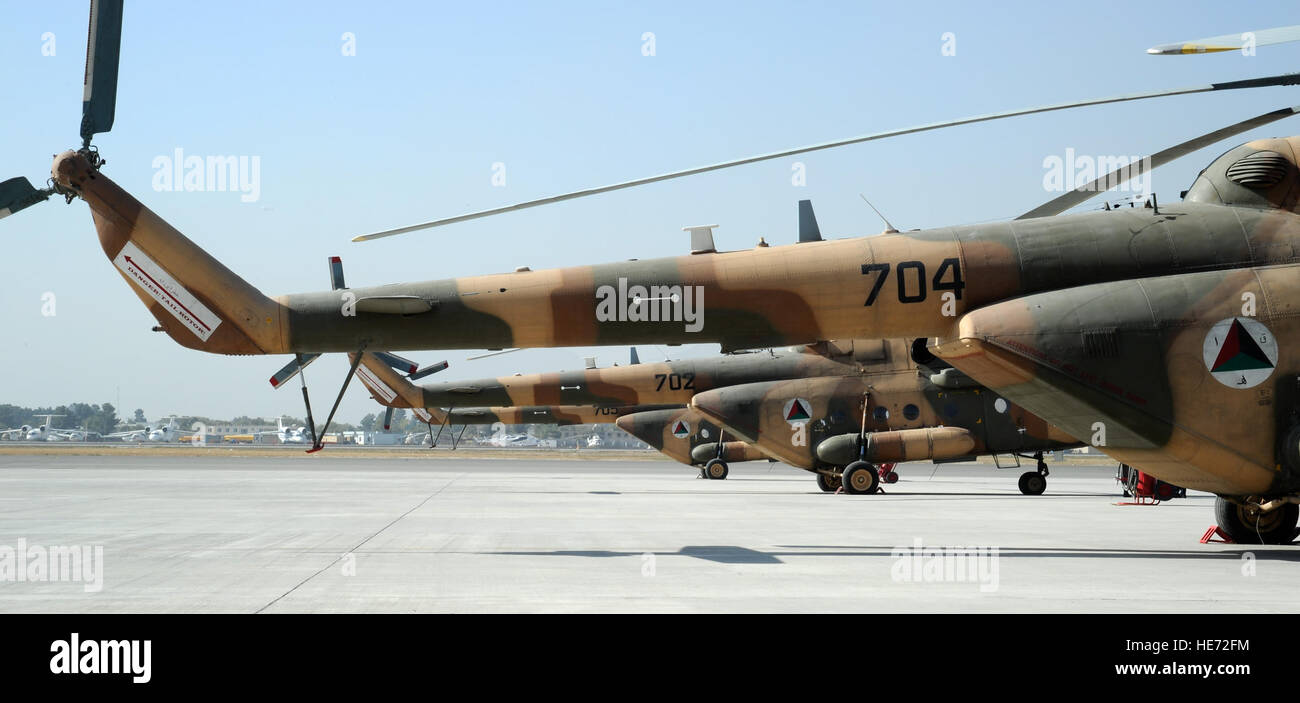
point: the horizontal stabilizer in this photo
(429, 370)
(401, 364)
(293, 368)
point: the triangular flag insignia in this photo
(1240, 352)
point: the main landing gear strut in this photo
(317, 440)
(455, 438)
(1256, 522)
(1033, 483)
(716, 469)
(860, 478)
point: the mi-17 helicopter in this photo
(1162, 335)
(671, 428)
(813, 407)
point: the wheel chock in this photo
(1214, 532)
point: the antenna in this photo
(889, 228)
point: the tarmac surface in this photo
(425, 533)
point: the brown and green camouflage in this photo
(669, 382)
(672, 429)
(686, 436)
(817, 423)
(1029, 308)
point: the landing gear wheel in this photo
(1032, 483)
(716, 469)
(1131, 485)
(889, 477)
(830, 484)
(1245, 526)
(860, 478)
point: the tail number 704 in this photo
(911, 279)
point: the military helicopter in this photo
(804, 406)
(671, 428)
(1160, 334)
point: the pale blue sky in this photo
(408, 130)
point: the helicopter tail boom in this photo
(197, 301)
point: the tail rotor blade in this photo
(18, 194)
(103, 46)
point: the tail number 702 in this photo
(675, 381)
(911, 279)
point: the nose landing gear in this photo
(1033, 483)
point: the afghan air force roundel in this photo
(681, 429)
(796, 411)
(1240, 352)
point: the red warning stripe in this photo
(167, 292)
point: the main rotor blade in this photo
(103, 45)
(18, 194)
(1229, 42)
(498, 352)
(1284, 79)
(1087, 191)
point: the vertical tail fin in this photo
(198, 302)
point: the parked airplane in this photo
(289, 435)
(45, 432)
(514, 440)
(166, 433)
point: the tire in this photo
(1274, 527)
(1289, 451)
(1032, 483)
(829, 484)
(716, 469)
(860, 478)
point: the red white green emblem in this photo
(1240, 352)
